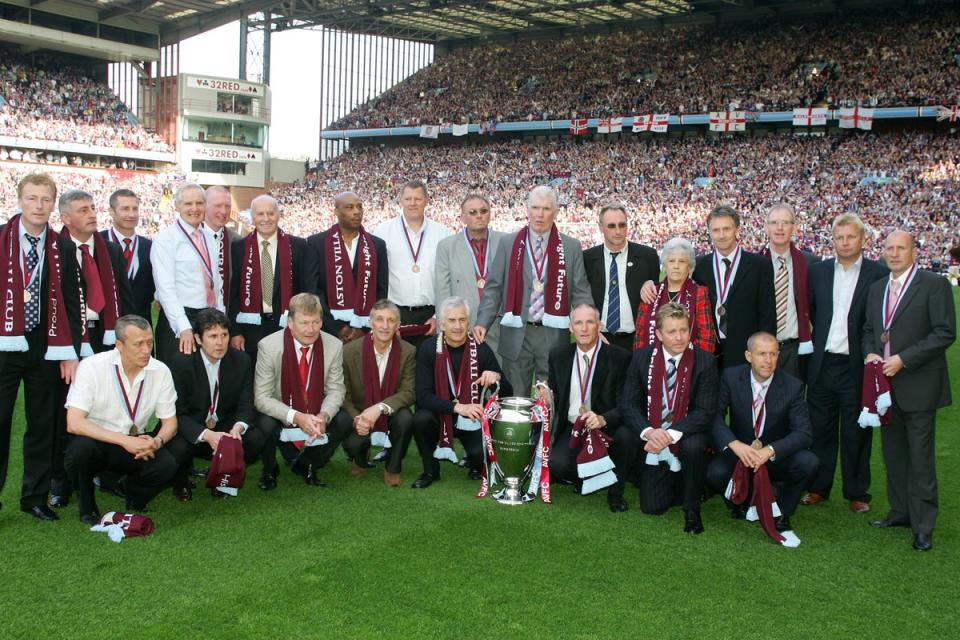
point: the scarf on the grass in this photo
(556, 288)
(12, 329)
(657, 394)
(251, 295)
(119, 525)
(800, 297)
(464, 388)
(763, 506)
(350, 299)
(373, 390)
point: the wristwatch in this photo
(384, 408)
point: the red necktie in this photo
(127, 252)
(304, 367)
(91, 275)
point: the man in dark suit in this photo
(106, 297)
(681, 418)
(838, 303)
(265, 313)
(216, 218)
(769, 425)
(910, 324)
(791, 284)
(214, 398)
(587, 379)
(354, 240)
(38, 348)
(616, 271)
(135, 249)
(741, 287)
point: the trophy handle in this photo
(541, 384)
(485, 393)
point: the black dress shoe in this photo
(692, 523)
(268, 482)
(41, 512)
(738, 512)
(58, 502)
(424, 481)
(923, 541)
(183, 494)
(134, 507)
(475, 474)
(196, 472)
(782, 524)
(312, 480)
(889, 522)
(617, 504)
(90, 519)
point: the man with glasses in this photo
(616, 271)
(464, 260)
(790, 287)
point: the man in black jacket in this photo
(214, 398)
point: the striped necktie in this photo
(613, 296)
(782, 289)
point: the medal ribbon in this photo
(415, 255)
(888, 318)
(131, 411)
(586, 382)
(723, 288)
(476, 259)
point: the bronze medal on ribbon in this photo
(537, 286)
(211, 424)
(415, 268)
(133, 430)
(885, 337)
(583, 409)
(669, 418)
(756, 444)
(721, 310)
(481, 283)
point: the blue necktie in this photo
(671, 380)
(613, 297)
(31, 310)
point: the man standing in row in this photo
(740, 284)
(349, 270)
(616, 270)
(41, 333)
(910, 324)
(412, 241)
(537, 278)
(464, 260)
(185, 256)
(125, 213)
(838, 305)
(270, 268)
(217, 210)
(790, 288)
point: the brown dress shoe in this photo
(357, 471)
(859, 506)
(391, 479)
(811, 498)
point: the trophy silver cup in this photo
(515, 435)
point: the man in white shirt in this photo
(185, 258)
(411, 241)
(838, 301)
(110, 405)
(297, 393)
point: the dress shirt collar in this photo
(622, 252)
(89, 242)
(189, 227)
(209, 363)
(272, 241)
(729, 255)
(786, 255)
(297, 345)
(667, 358)
(24, 233)
(119, 235)
(757, 385)
(854, 267)
(902, 278)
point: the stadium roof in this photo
(440, 21)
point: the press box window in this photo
(219, 166)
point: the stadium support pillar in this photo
(254, 62)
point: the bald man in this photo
(216, 217)
(349, 270)
(270, 267)
(910, 324)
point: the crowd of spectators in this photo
(909, 180)
(885, 59)
(45, 99)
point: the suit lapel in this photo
(563, 380)
(599, 374)
(906, 297)
(200, 370)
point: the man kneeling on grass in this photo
(111, 402)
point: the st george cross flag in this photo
(429, 131)
(610, 125)
(460, 129)
(656, 122)
(578, 127)
(810, 117)
(728, 121)
(947, 113)
(856, 118)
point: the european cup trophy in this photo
(516, 434)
